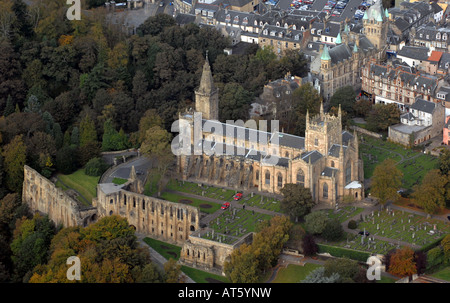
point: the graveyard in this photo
(413, 164)
(388, 229)
(232, 224)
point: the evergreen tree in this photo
(9, 109)
(75, 137)
(87, 131)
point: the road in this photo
(141, 164)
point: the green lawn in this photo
(82, 183)
(443, 274)
(414, 166)
(294, 273)
(205, 206)
(386, 280)
(201, 276)
(231, 227)
(201, 189)
(172, 251)
(164, 249)
(119, 181)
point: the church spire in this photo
(206, 82)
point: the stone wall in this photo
(159, 219)
(43, 196)
(208, 254)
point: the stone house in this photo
(425, 120)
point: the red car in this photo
(225, 205)
(237, 196)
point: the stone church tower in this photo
(375, 22)
(207, 95)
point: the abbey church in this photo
(326, 160)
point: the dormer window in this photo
(236, 19)
(265, 32)
(245, 21)
(294, 27)
(319, 32)
(278, 23)
(228, 18)
(286, 25)
(312, 31)
(438, 36)
(280, 34)
(272, 33)
(428, 36)
(421, 35)
(297, 37)
(444, 37)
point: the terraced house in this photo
(396, 83)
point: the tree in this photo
(88, 132)
(420, 258)
(309, 245)
(172, 272)
(430, 194)
(444, 162)
(305, 99)
(95, 167)
(348, 270)
(386, 181)
(66, 160)
(382, 116)
(344, 96)
(297, 201)
(402, 262)
(316, 222)
(362, 108)
(333, 230)
(113, 140)
(234, 102)
(32, 239)
(154, 25)
(14, 160)
(9, 109)
(157, 145)
(318, 276)
(150, 274)
(248, 262)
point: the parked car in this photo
(237, 196)
(362, 233)
(225, 205)
(161, 3)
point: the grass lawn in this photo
(294, 273)
(262, 202)
(164, 249)
(231, 226)
(443, 274)
(119, 181)
(386, 280)
(82, 183)
(172, 251)
(205, 206)
(198, 189)
(414, 166)
(201, 276)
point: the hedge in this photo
(431, 245)
(343, 252)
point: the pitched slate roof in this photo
(424, 105)
(414, 52)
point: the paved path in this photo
(141, 164)
(156, 258)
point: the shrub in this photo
(95, 167)
(352, 224)
(309, 245)
(315, 222)
(333, 230)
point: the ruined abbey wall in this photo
(43, 196)
(159, 219)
